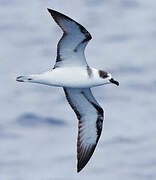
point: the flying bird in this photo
(72, 72)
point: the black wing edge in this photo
(56, 14)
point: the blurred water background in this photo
(38, 129)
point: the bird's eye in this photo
(103, 74)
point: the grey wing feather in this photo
(70, 49)
(90, 116)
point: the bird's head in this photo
(107, 77)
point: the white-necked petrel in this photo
(73, 73)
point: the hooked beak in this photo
(114, 82)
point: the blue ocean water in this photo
(38, 129)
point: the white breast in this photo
(74, 77)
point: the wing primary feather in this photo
(57, 15)
(84, 155)
(71, 46)
(90, 116)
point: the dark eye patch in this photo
(103, 74)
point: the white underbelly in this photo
(69, 77)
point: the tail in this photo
(24, 79)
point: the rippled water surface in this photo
(38, 129)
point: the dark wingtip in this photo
(52, 12)
(79, 167)
(49, 9)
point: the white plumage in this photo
(72, 72)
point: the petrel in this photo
(72, 72)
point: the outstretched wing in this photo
(90, 116)
(70, 48)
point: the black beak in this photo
(114, 82)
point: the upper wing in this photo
(90, 116)
(70, 48)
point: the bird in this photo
(72, 72)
